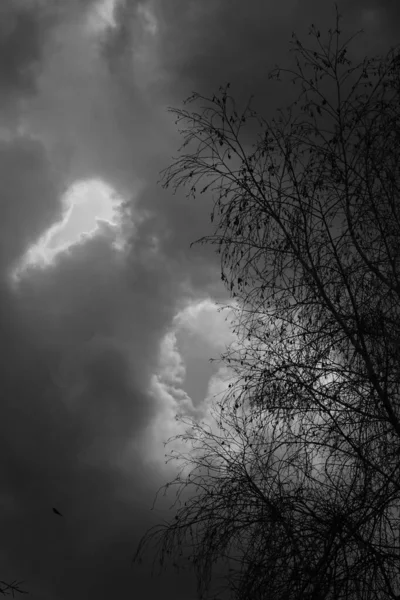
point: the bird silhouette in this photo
(56, 512)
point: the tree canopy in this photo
(298, 488)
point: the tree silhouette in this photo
(11, 588)
(298, 486)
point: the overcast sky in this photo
(107, 322)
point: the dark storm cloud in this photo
(22, 32)
(80, 338)
(81, 341)
(204, 45)
(25, 29)
(28, 196)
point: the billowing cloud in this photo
(82, 341)
(105, 342)
(87, 206)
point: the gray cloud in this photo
(208, 44)
(80, 338)
(81, 342)
(28, 198)
(21, 45)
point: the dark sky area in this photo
(107, 321)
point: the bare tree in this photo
(301, 486)
(12, 588)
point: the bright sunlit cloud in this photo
(204, 320)
(186, 381)
(101, 16)
(87, 204)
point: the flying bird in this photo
(56, 512)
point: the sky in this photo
(107, 317)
